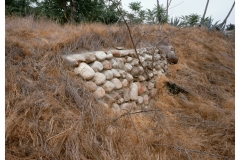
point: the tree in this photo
(225, 20)
(203, 17)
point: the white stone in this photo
(128, 67)
(114, 63)
(97, 66)
(77, 57)
(133, 91)
(148, 57)
(109, 56)
(125, 106)
(142, 59)
(108, 74)
(115, 107)
(70, 61)
(85, 71)
(108, 86)
(150, 74)
(124, 83)
(100, 55)
(129, 77)
(115, 73)
(99, 78)
(129, 59)
(107, 64)
(100, 92)
(162, 65)
(140, 100)
(117, 83)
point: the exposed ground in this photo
(44, 122)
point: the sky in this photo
(218, 9)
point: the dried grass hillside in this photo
(43, 121)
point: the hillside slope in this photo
(44, 122)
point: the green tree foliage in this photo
(230, 27)
(19, 7)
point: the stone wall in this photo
(116, 76)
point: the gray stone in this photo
(116, 53)
(99, 78)
(108, 86)
(100, 92)
(148, 57)
(128, 67)
(115, 107)
(126, 106)
(126, 95)
(150, 85)
(115, 73)
(70, 61)
(108, 74)
(133, 91)
(107, 65)
(117, 83)
(120, 100)
(141, 78)
(85, 71)
(162, 65)
(120, 62)
(100, 55)
(89, 57)
(129, 77)
(97, 66)
(135, 62)
(91, 86)
(135, 72)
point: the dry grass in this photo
(43, 120)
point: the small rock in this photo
(141, 78)
(125, 106)
(97, 66)
(120, 62)
(120, 48)
(128, 67)
(135, 72)
(70, 61)
(114, 63)
(85, 71)
(108, 74)
(116, 53)
(133, 91)
(107, 65)
(126, 95)
(91, 86)
(100, 92)
(123, 74)
(115, 73)
(161, 65)
(145, 99)
(140, 100)
(100, 55)
(108, 86)
(109, 56)
(117, 83)
(124, 83)
(99, 78)
(135, 62)
(120, 100)
(115, 107)
(129, 77)
(89, 57)
(150, 85)
(129, 59)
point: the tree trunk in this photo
(73, 9)
(158, 16)
(203, 17)
(225, 20)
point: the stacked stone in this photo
(117, 77)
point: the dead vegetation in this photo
(50, 115)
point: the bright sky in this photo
(218, 9)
